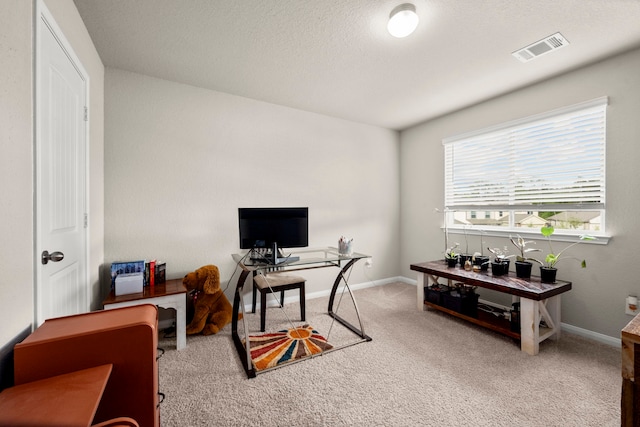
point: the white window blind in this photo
(554, 160)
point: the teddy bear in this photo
(212, 308)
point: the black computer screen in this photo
(262, 227)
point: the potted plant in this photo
(466, 256)
(523, 262)
(451, 256)
(446, 232)
(500, 264)
(548, 269)
(480, 260)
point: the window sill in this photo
(558, 236)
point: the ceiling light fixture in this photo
(403, 20)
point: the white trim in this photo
(595, 336)
(42, 16)
(325, 293)
(558, 235)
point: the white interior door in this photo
(61, 134)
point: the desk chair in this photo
(275, 282)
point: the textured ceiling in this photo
(335, 57)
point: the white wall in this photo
(180, 160)
(596, 302)
(16, 162)
(16, 171)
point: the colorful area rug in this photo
(272, 349)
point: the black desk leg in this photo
(240, 347)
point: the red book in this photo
(152, 273)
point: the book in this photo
(161, 272)
(152, 273)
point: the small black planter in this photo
(500, 268)
(523, 269)
(482, 261)
(463, 259)
(451, 262)
(548, 274)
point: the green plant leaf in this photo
(551, 259)
(547, 230)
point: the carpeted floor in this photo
(421, 369)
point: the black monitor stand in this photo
(275, 258)
(260, 255)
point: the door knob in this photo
(53, 257)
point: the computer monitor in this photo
(273, 229)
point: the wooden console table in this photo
(538, 301)
(171, 294)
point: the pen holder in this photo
(345, 247)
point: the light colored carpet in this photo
(421, 369)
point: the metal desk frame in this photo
(309, 259)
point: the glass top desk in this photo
(307, 259)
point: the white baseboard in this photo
(271, 302)
(408, 281)
(595, 336)
(355, 287)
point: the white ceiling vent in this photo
(539, 48)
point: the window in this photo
(525, 173)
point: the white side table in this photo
(171, 294)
